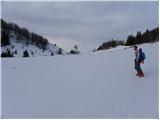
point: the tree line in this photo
(110, 44)
(146, 37)
(139, 38)
(22, 35)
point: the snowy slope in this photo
(96, 85)
(21, 47)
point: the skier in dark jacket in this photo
(138, 61)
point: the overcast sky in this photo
(90, 22)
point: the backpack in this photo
(142, 56)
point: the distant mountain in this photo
(20, 42)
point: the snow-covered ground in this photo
(94, 85)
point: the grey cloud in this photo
(86, 21)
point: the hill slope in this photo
(97, 85)
(16, 40)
